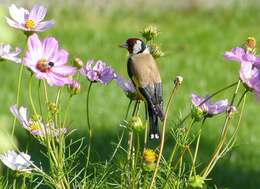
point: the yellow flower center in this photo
(29, 24)
(34, 126)
(44, 66)
(149, 156)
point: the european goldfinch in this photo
(144, 73)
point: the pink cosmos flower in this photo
(100, 72)
(47, 61)
(7, 53)
(249, 68)
(35, 127)
(28, 21)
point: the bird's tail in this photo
(153, 122)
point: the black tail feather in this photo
(153, 122)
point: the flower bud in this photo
(149, 156)
(231, 110)
(74, 87)
(156, 51)
(250, 45)
(150, 32)
(78, 63)
(196, 182)
(52, 108)
(196, 113)
(178, 80)
(136, 124)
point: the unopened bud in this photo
(196, 182)
(150, 32)
(52, 107)
(197, 114)
(231, 110)
(251, 42)
(136, 124)
(250, 45)
(178, 80)
(74, 87)
(156, 51)
(78, 63)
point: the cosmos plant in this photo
(141, 163)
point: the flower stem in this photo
(193, 168)
(176, 85)
(89, 125)
(130, 150)
(123, 132)
(30, 96)
(18, 95)
(222, 139)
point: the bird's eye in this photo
(51, 64)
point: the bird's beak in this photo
(124, 45)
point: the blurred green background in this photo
(194, 36)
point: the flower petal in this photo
(37, 13)
(35, 47)
(49, 47)
(18, 14)
(64, 70)
(235, 54)
(43, 26)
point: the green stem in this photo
(232, 139)
(39, 97)
(18, 95)
(30, 96)
(130, 150)
(89, 126)
(193, 169)
(176, 85)
(241, 98)
(130, 134)
(222, 139)
(123, 132)
(14, 181)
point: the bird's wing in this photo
(143, 71)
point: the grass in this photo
(194, 42)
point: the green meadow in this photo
(194, 42)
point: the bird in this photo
(144, 73)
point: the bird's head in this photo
(134, 46)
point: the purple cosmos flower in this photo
(17, 162)
(7, 53)
(98, 73)
(209, 109)
(47, 61)
(249, 68)
(238, 54)
(35, 127)
(250, 76)
(28, 21)
(128, 87)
